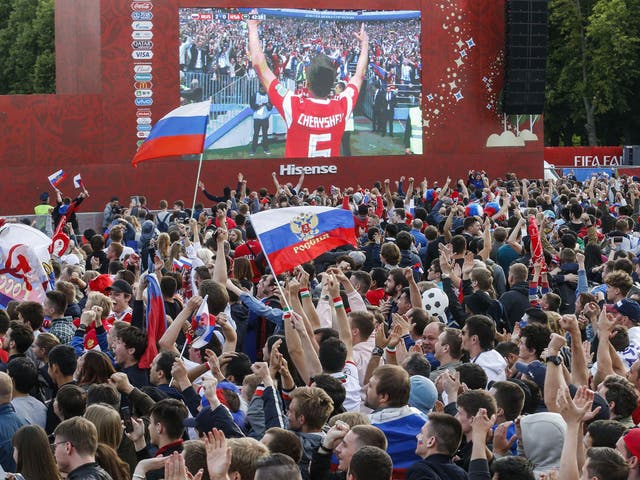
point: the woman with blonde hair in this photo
(109, 426)
(175, 252)
(108, 423)
(164, 246)
(553, 321)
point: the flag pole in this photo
(184, 347)
(195, 190)
(284, 298)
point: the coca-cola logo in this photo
(141, 6)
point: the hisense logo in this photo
(293, 169)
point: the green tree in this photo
(27, 62)
(593, 71)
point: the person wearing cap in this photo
(549, 221)
(628, 446)
(213, 413)
(627, 314)
(423, 394)
(43, 214)
(120, 293)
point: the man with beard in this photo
(387, 395)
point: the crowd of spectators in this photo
(289, 43)
(480, 328)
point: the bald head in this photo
(6, 388)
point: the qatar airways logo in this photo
(293, 169)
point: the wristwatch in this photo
(555, 359)
(377, 352)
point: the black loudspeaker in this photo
(525, 56)
(631, 155)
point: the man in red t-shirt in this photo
(315, 123)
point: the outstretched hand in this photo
(362, 35)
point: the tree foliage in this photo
(27, 61)
(593, 72)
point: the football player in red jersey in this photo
(315, 123)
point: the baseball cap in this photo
(598, 401)
(120, 286)
(101, 283)
(71, 259)
(629, 308)
(549, 214)
(632, 441)
(44, 196)
(536, 371)
(478, 302)
(208, 419)
(358, 257)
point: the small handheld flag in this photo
(204, 325)
(56, 178)
(186, 263)
(177, 264)
(77, 181)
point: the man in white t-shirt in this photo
(478, 335)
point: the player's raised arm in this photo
(258, 60)
(363, 59)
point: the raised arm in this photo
(258, 60)
(341, 316)
(305, 298)
(363, 59)
(486, 240)
(553, 380)
(168, 340)
(606, 322)
(579, 370)
(414, 290)
(220, 265)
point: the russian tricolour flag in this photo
(56, 178)
(180, 132)
(204, 325)
(156, 320)
(296, 235)
(77, 181)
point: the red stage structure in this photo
(90, 125)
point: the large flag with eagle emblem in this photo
(296, 235)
